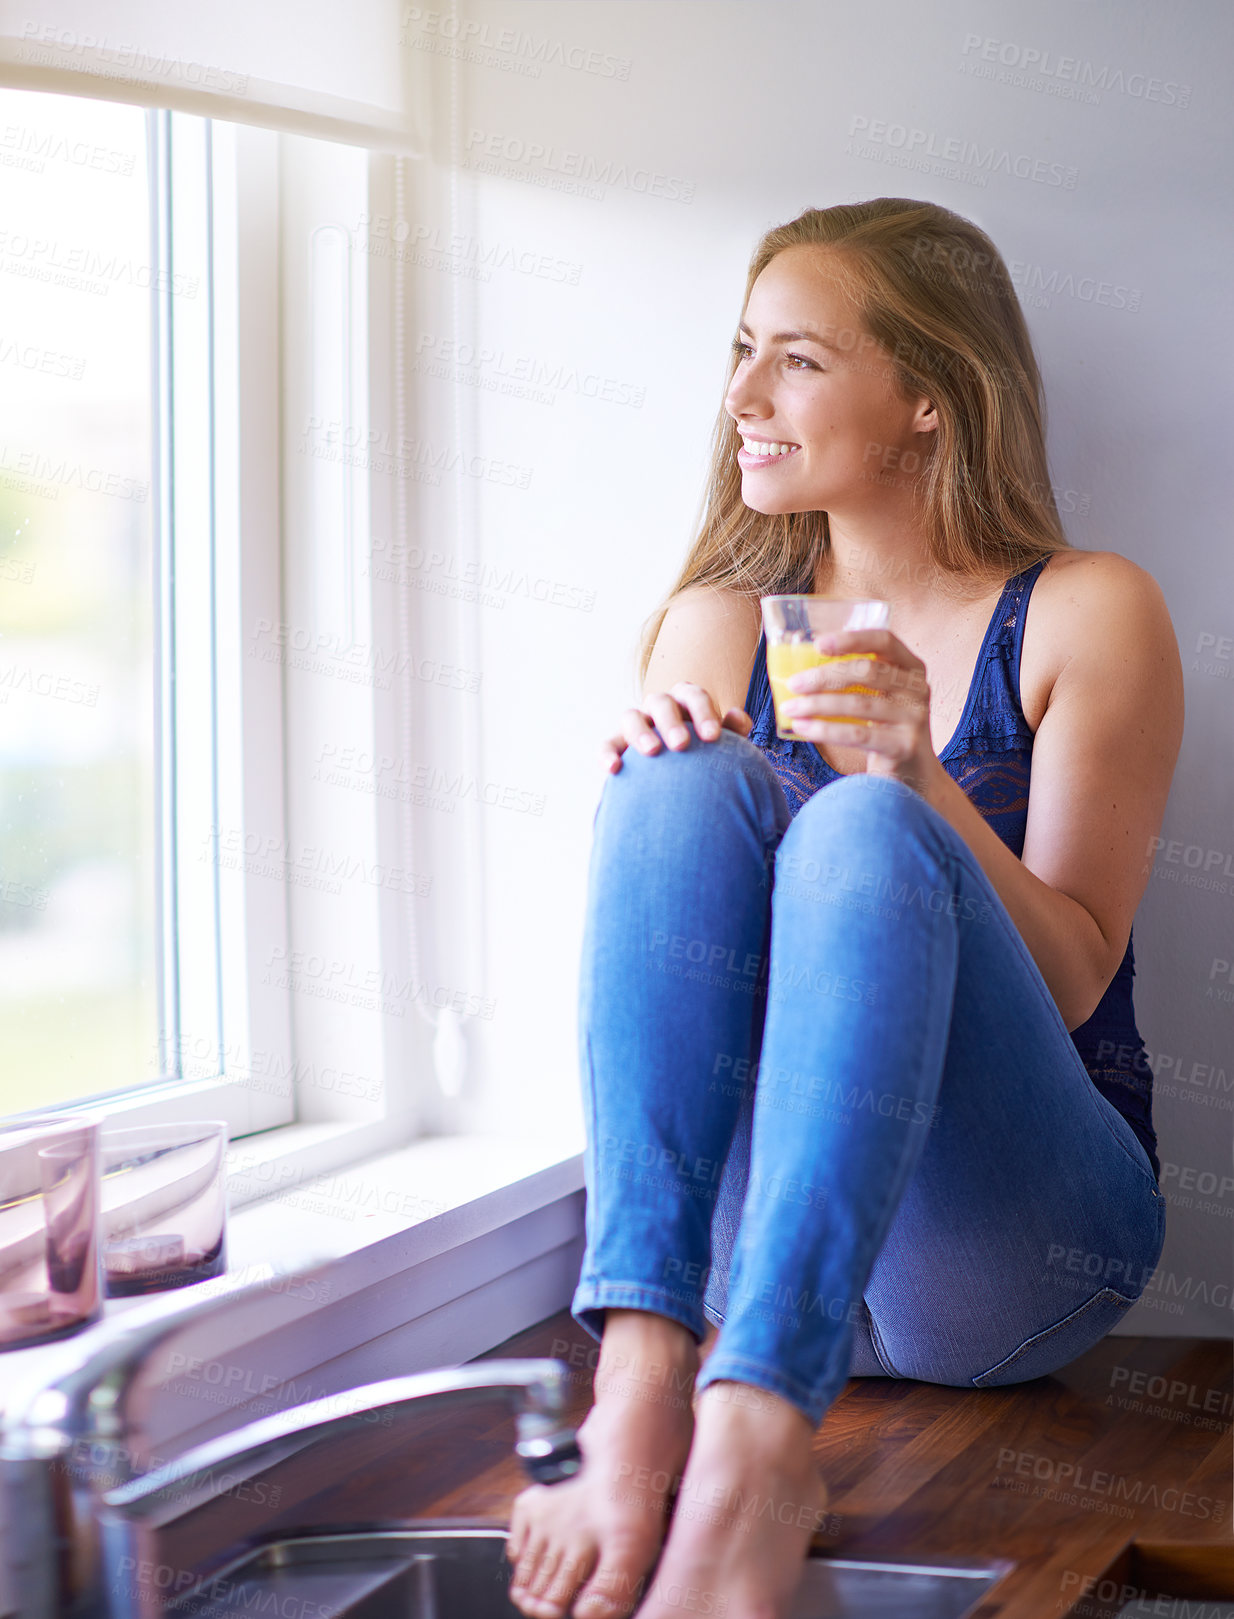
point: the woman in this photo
(862, 1076)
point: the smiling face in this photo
(812, 381)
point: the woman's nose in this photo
(745, 394)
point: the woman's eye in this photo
(743, 349)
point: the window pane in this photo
(78, 981)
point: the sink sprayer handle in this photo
(549, 1452)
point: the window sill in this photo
(424, 1256)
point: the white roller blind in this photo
(329, 68)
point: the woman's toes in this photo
(612, 1594)
(546, 1570)
(558, 1594)
(617, 1584)
(522, 1580)
(516, 1539)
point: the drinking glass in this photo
(50, 1282)
(790, 624)
(164, 1205)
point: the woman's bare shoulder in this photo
(1092, 589)
(1082, 600)
(709, 636)
(719, 603)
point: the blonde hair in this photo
(933, 292)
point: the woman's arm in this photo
(1103, 759)
(698, 670)
(708, 637)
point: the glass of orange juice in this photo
(790, 624)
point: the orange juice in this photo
(785, 658)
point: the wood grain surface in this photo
(1112, 1475)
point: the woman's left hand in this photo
(896, 734)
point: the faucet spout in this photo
(75, 1500)
(132, 1514)
(73, 1438)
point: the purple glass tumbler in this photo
(164, 1205)
(50, 1275)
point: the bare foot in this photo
(601, 1530)
(750, 1499)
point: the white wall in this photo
(1105, 164)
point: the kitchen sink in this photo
(461, 1572)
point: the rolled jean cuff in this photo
(720, 1366)
(591, 1299)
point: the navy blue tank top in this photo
(990, 756)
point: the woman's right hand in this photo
(663, 715)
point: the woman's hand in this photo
(896, 734)
(665, 712)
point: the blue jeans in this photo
(830, 1102)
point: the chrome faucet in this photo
(81, 1516)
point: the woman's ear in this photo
(925, 419)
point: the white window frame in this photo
(225, 1037)
(247, 359)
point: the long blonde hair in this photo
(934, 293)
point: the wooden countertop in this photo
(919, 1470)
(1089, 1480)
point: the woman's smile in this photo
(764, 452)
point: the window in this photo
(211, 699)
(79, 999)
(140, 747)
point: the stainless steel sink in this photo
(462, 1573)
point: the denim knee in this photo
(858, 793)
(728, 753)
(870, 806)
(726, 765)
